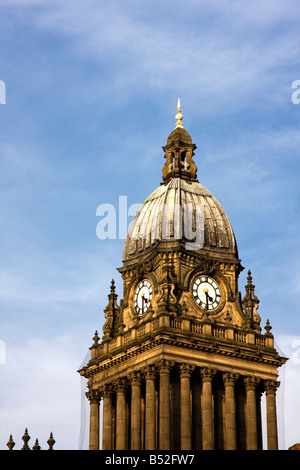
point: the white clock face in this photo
(206, 292)
(142, 296)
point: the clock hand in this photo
(208, 297)
(144, 301)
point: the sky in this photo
(88, 97)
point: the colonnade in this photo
(170, 406)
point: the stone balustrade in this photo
(196, 328)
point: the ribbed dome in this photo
(180, 210)
(159, 219)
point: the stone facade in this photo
(182, 363)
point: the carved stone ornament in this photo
(111, 312)
(230, 378)
(94, 396)
(207, 374)
(141, 269)
(168, 287)
(250, 305)
(207, 264)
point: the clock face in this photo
(206, 292)
(142, 296)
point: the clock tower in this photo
(182, 362)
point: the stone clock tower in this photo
(182, 362)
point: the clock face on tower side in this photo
(206, 292)
(142, 296)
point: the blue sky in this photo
(91, 95)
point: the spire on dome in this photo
(179, 115)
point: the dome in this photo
(184, 211)
(180, 211)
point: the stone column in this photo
(272, 438)
(259, 392)
(94, 398)
(251, 415)
(135, 379)
(164, 405)
(185, 407)
(107, 431)
(150, 409)
(121, 415)
(207, 410)
(230, 410)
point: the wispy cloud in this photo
(218, 51)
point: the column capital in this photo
(230, 378)
(120, 385)
(106, 391)
(164, 366)
(251, 382)
(94, 396)
(207, 374)
(186, 370)
(271, 386)
(149, 372)
(135, 378)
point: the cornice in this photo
(232, 349)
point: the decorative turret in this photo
(179, 152)
(111, 312)
(250, 305)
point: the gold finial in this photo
(179, 115)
